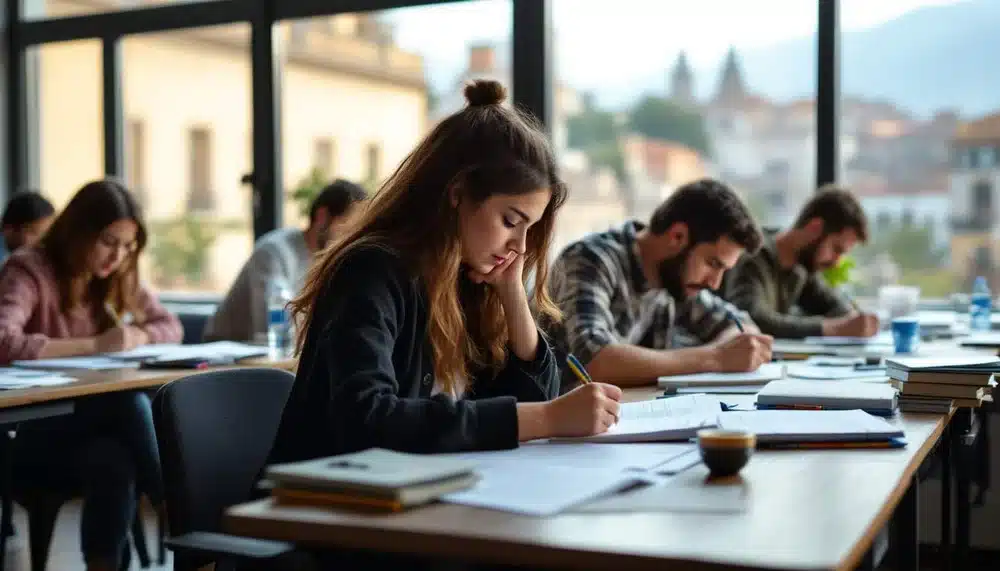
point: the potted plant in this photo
(839, 276)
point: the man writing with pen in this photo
(625, 293)
(780, 285)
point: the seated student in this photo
(66, 296)
(24, 221)
(626, 292)
(418, 335)
(785, 273)
(282, 255)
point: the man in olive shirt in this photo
(785, 273)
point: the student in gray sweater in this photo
(284, 255)
(781, 287)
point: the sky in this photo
(602, 42)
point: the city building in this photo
(353, 103)
(974, 182)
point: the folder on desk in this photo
(875, 398)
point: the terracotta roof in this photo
(985, 129)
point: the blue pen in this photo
(733, 318)
(578, 368)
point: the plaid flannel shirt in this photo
(599, 285)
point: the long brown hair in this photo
(482, 150)
(73, 235)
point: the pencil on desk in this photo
(578, 370)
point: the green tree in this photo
(179, 247)
(308, 189)
(660, 118)
(596, 132)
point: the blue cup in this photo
(905, 334)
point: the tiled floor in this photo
(65, 552)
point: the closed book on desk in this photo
(774, 426)
(952, 369)
(876, 398)
(373, 477)
(975, 392)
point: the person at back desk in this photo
(25, 220)
(67, 296)
(417, 331)
(623, 293)
(283, 255)
(785, 273)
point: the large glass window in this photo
(40, 9)
(360, 90)
(651, 95)
(917, 139)
(186, 98)
(70, 131)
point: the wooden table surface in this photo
(817, 509)
(97, 382)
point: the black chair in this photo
(215, 431)
(42, 507)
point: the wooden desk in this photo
(818, 509)
(98, 382)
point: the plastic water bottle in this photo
(980, 306)
(279, 325)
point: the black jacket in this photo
(366, 373)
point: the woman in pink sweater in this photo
(70, 295)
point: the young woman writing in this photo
(69, 295)
(416, 329)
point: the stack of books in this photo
(938, 384)
(372, 480)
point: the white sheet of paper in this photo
(687, 492)
(224, 349)
(540, 491)
(882, 338)
(77, 363)
(40, 379)
(675, 418)
(581, 455)
(767, 372)
(816, 373)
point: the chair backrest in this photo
(215, 431)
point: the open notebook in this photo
(660, 420)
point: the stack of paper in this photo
(935, 384)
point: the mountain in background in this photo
(928, 59)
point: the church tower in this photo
(682, 81)
(732, 90)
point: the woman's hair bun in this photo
(485, 92)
